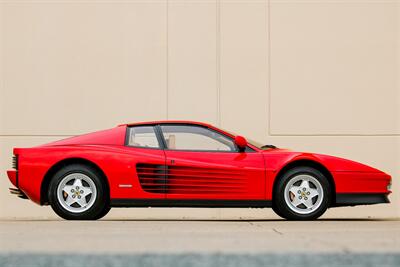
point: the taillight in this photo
(389, 186)
(15, 162)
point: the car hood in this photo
(332, 163)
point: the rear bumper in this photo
(360, 199)
(13, 177)
(18, 193)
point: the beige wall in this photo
(318, 76)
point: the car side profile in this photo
(187, 164)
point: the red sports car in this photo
(187, 164)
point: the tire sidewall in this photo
(100, 203)
(279, 200)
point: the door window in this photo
(195, 138)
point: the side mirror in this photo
(240, 142)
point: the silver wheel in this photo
(303, 194)
(76, 192)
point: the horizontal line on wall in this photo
(37, 135)
(335, 135)
(272, 135)
(82, 1)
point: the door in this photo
(205, 164)
(146, 162)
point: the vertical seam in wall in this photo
(167, 62)
(218, 67)
(268, 21)
(3, 66)
(2, 78)
(218, 60)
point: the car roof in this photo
(167, 122)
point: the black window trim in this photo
(160, 137)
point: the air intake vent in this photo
(15, 162)
(151, 177)
(155, 178)
(198, 180)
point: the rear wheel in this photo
(302, 193)
(77, 192)
(103, 213)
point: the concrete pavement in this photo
(257, 241)
(276, 236)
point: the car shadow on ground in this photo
(207, 220)
(258, 220)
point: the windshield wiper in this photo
(268, 146)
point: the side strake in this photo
(155, 178)
(152, 177)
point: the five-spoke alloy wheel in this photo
(77, 192)
(302, 193)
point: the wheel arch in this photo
(307, 163)
(61, 164)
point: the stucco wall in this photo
(319, 76)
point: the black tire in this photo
(276, 210)
(281, 207)
(100, 206)
(104, 212)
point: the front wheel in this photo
(77, 192)
(302, 193)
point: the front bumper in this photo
(360, 199)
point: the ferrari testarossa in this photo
(187, 164)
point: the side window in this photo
(185, 137)
(142, 136)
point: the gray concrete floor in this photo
(136, 238)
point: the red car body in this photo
(222, 179)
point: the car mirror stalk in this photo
(241, 143)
